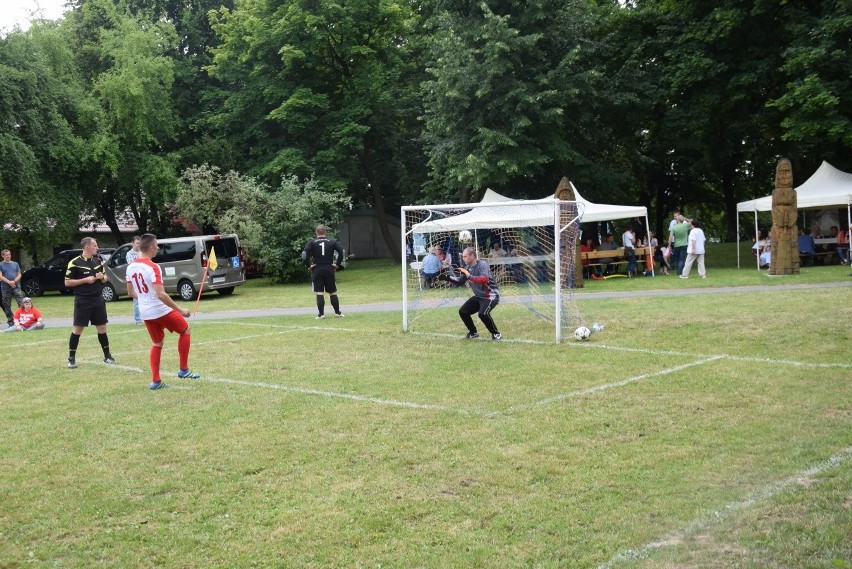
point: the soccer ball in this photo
(465, 236)
(582, 333)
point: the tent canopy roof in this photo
(529, 214)
(827, 187)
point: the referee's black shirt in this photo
(80, 268)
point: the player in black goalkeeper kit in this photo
(318, 256)
(485, 297)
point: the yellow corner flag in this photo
(212, 263)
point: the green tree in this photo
(492, 110)
(816, 99)
(273, 225)
(721, 71)
(127, 119)
(39, 146)
(318, 88)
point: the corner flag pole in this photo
(211, 263)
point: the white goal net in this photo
(530, 247)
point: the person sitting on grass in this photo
(27, 317)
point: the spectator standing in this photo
(842, 246)
(131, 256)
(10, 286)
(28, 317)
(695, 251)
(628, 239)
(678, 241)
(85, 274)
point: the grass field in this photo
(706, 430)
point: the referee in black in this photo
(86, 276)
(318, 256)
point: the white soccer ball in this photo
(465, 236)
(582, 333)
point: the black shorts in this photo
(84, 313)
(324, 279)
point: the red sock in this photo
(183, 350)
(154, 357)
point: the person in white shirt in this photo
(695, 251)
(158, 310)
(628, 239)
(131, 256)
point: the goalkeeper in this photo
(485, 297)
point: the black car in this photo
(51, 275)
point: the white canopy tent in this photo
(827, 187)
(536, 212)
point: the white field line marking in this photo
(788, 362)
(588, 346)
(759, 495)
(459, 337)
(302, 390)
(595, 389)
(336, 395)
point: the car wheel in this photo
(32, 288)
(225, 291)
(108, 292)
(185, 290)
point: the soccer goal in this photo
(530, 247)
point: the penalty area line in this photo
(337, 395)
(703, 522)
(595, 389)
(595, 346)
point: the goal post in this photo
(529, 245)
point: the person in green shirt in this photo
(678, 241)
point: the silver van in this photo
(182, 261)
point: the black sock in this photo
(102, 338)
(321, 304)
(73, 342)
(335, 304)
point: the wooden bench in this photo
(807, 259)
(617, 256)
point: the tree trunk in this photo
(730, 204)
(391, 240)
(106, 208)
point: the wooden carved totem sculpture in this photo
(784, 235)
(565, 192)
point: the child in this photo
(27, 317)
(666, 254)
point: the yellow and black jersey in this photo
(80, 268)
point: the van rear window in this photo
(179, 251)
(226, 248)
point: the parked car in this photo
(51, 275)
(183, 261)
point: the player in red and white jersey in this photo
(158, 310)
